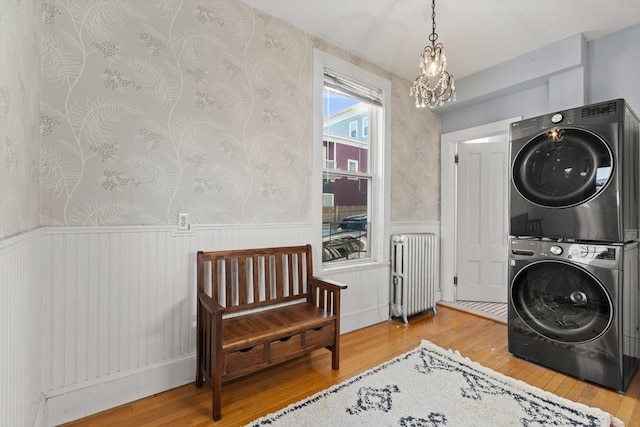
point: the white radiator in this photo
(413, 274)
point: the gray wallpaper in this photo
(150, 108)
(20, 37)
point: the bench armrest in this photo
(325, 294)
(210, 305)
(331, 285)
(210, 321)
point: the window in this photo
(351, 227)
(353, 129)
(365, 127)
(327, 200)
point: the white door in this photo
(482, 219)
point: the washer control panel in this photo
(585, 253)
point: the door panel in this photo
(482, 220)
(562, 302)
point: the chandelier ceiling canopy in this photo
(434, 86)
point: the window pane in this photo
(343, 117)
(345, 225)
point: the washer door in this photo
(562, 167)
(561, 301)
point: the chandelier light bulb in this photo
(433, 67)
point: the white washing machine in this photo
(573, 307)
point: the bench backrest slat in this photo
(251, 278)
(228, 275)
(290, 274)
(268, 289)
(279, 277)
(255, 261)
(214, 273)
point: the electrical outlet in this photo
(183, 221)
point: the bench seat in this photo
(244, 331)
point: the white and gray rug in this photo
(433, 387)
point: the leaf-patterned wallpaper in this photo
(155, 107)
(20, 37)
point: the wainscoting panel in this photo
(366, 300)
(416, 227)
(20, 325)
(119, 303)
(119, 307)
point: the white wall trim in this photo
(12, 242)
(415, 227)
(172, 228)
(21, 345)
(77, 401)
(369, 316)
(448, 193)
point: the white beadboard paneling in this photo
(416, 227)
(366, 300)
(20, 326)
(119, 302)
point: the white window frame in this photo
(327, 197)
(352, 165)
(379, 164)
(365, 126)
(353, 127)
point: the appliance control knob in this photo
(557, 118)
(556, 250)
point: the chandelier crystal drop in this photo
(434, 86)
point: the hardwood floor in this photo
(246, 399)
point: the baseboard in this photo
(364, 318)
(74, 402)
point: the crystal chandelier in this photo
(434, 86)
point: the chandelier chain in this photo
(433, 36)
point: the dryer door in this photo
(562, 167)
(561, 301)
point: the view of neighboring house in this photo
(346, 148)
(345, 195)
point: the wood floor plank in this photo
(246, 399)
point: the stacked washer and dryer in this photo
(574, 297)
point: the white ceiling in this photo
(476, 34)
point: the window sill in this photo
(351, 266)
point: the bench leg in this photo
(217, 401)
(335, 357)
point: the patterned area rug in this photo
(433, 387)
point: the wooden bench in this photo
(260, 307)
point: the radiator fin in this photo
(413, 274)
